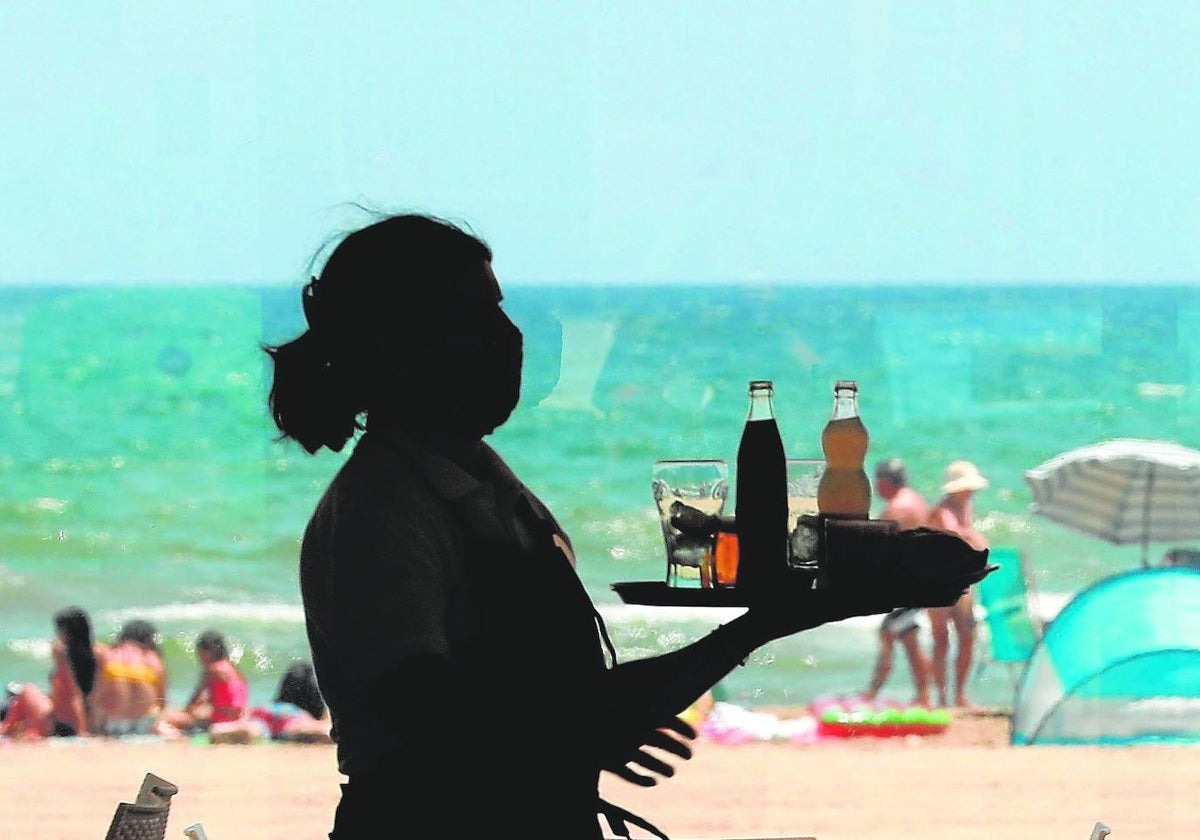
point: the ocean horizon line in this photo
(729, 282)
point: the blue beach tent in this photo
(1119, 664)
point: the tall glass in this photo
(701, 484)
(803, 480)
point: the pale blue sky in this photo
(607, 141)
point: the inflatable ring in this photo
(853, 716)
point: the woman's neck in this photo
(463, 450)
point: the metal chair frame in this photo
(146, 817)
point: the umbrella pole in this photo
(1146, 519)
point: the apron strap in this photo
(617, 819)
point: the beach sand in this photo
(964, 783)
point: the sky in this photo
(606, 142)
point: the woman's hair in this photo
(298, 686)
(386, 288)
(140, 632)
(211, 641)
(76, 629)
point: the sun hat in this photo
(963, 475)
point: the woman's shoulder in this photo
(155, 660)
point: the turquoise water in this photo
(139, 474)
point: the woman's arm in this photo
(64, 688)
(79, 713)
(645, 694)
(919, 568)
(199, 694)
(160, 671)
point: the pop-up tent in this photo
(1119, 664)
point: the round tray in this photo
(658, 593)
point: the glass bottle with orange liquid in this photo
(845, 489)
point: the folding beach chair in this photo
(146, 817)
(1012, 630)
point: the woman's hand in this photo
(871, 574)
(672, 738)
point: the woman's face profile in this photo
(487, 349)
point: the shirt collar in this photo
(448, 479)
(479, 498)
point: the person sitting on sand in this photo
(131, 691)
(906, 507)
(298, 712)
(221, 695)
(65, 711)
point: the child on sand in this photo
(221, 695)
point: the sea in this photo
(140, 475)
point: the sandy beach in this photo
(963, 783)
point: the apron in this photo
(539, 633)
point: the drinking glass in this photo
(699, 483)
(803, 478)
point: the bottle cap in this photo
(845, 385)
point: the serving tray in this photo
(657, 593)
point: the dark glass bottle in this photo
(761, 510)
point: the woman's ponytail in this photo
(310, 400)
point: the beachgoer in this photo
(955, 512)
(65, 710)
(10, 692)
(298, 712)
(221, 695)
(460, 655)
(906, 507)
(131, 690)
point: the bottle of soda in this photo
(761, 511)
(845, 490)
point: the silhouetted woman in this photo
(436, 583)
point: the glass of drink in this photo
(803, 480)
(701, 484)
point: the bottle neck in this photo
(761, 407)
(845, 404)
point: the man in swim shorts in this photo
(906, 507)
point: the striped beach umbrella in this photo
(1125, 491)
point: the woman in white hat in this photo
(955, 512)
